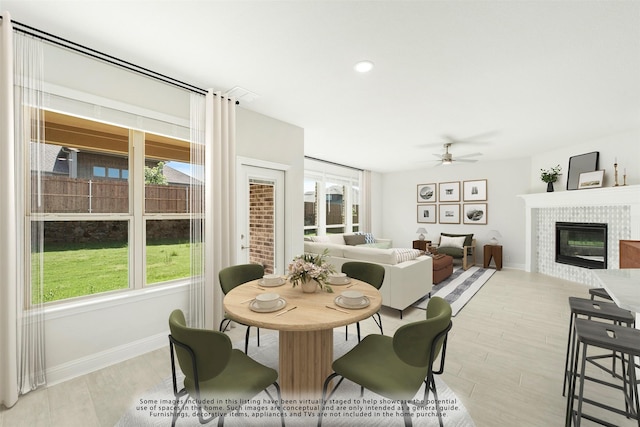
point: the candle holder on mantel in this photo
(615, 174)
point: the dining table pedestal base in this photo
(305, 359)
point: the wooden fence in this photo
(71, 195)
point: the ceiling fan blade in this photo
(465, 160)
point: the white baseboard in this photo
(94, 362)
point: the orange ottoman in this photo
(442, 267)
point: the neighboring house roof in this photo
(54, 161)
(51, 160)
(174, 176)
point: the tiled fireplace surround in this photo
(619, 207)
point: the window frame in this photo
(349, 179)
(135, 217)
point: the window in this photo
(88, 210)
(310, 207)
(339, 188)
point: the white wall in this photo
(264, 138)
(625, 146)
(505, 180)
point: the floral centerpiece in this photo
(550, 175)
(312, 268)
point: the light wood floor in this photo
(505, 361)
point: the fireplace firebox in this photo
(581, 244)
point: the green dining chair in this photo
(214, 372)
(396, 367)
(233, 276)
(373, 274)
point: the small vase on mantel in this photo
(549, 187)
(309, 286)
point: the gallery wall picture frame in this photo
(587, 162)
(591, 179)
(474, 191)
(427, 214)
(449, 192)
(427, 193)
(449, 213)
(474, 213)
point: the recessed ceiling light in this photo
(363, 66)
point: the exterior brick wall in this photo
(261, 225)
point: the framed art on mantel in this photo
(474, 191)
(427, 214)
(449, 192)
(426, 193)
(582, 163)
(474, 213)
(449, 214)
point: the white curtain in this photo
(220, 198)
(29, 150)
(197, 209)
(365, 200)
(8, 232)
(22, 333)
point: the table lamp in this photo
(422, 232)
(493, 237)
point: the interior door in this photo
(261, 217)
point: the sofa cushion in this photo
(451, 242)
(318, 248)
(380, 245)
(454, 252)
(321, 239)
(467, 237)
(354, 239)
(337, 238)
(382, 256)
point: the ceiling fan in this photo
(446, 158)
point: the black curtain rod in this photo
(333, 163)
(68, 44)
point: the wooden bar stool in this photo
(618, 339)
(599, 310)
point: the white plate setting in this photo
(253, 305)
(364, 302)
(339, 281)
(280, 282)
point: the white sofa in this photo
(404, 282)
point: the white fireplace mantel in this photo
(628, 195)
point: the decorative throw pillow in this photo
(368, 238)
(354, 239)
(451, 242)
(468, 238)
(321, 239)
(403, 254)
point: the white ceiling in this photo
(534, 75)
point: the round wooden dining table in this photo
(305, 326)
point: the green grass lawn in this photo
(78, 270)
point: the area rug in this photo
(459, 288)
(346, 408)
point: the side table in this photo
(422, 245)
(495, 252)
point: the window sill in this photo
(113, 299)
